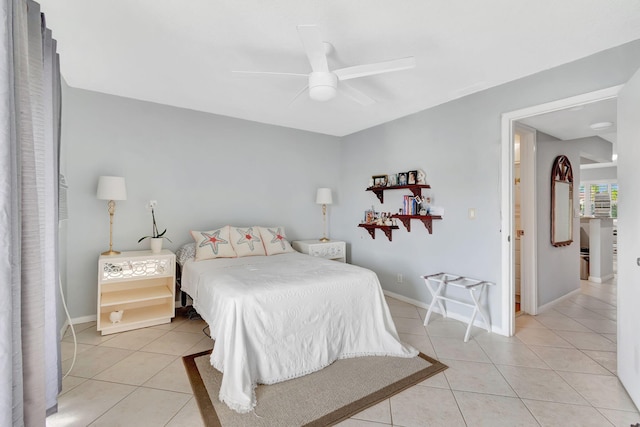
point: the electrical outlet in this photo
(151, 204)
(399, 278)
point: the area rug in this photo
(323, 398)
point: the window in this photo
(599, 199)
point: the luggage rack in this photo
(474, 286)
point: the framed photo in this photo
(380, 180)
(412, 177)
(370, 216)
(393, 180)
(402, 178)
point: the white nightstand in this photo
(140, 283)
(333, 249)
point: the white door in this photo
(629, 237)
(525, 227)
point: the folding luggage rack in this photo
(475, 287)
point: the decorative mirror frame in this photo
(561, 174)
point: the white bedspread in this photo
(279, 317)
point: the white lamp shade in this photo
(111, 188)
(323, 196)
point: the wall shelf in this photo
(387, 229)
(425, 219)
(416, 189)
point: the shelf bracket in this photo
(428, 224)
(387, 232)
(417, 191)
(406, 221)
(380, 194)
(372, 232)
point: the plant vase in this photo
(156, 244)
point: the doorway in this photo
(508, 202)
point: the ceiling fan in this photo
(323, 83)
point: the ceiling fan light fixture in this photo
(601, 125)
(322, 86)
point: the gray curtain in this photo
(29, 151)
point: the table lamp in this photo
(111, 188)
(323, 197)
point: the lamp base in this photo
(110, 252)
(324, 239)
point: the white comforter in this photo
(283, 316)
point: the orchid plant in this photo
(155, 234)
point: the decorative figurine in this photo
(116, 316)
(421, 178)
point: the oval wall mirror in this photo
(561, 202)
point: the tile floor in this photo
(558, 370)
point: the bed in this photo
(278, 317)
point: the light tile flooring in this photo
(558, 370)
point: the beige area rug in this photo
(322, 398)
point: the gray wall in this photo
(558, 267)
(205, 171)
(595, 148)
(599, 174)
(458, 145)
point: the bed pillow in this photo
(246, 241)
(213, 244)
(185, 253)
(275, 240)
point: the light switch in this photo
(472, 213)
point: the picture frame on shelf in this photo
(393, 180)
(380, 180)
(402, 178)
(370, 216)
(412, 177)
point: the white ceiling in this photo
(574, 123)
(182, 53)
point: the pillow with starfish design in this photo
(213, 244)
(246, 241)
(275, 240)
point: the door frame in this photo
(507, 248)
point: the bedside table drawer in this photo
(335, 250)
(327, 250)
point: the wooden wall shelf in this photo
(387, 229)
(416, 189)
(426, 220)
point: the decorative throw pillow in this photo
(185, 253)
(247, 241)
(275, 240)
(213, 244)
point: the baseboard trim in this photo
(601, 279)
(77, 320)
(549, 305)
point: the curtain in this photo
(29, 161)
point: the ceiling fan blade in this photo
(375, 68)
(356, 95)
(304, 89)
(312, 42)
(273, 73)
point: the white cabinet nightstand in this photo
(333, 249)
(140, 283)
